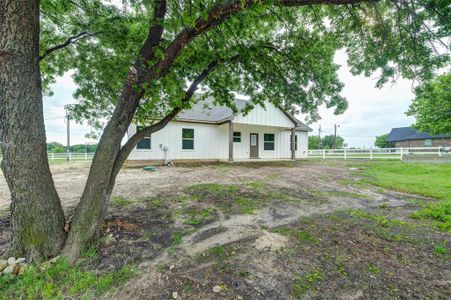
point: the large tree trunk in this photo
(88, 217)
(36, 215)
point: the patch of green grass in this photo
(430, 180)
(176, 238)
(196, 215)
(119, 201)
(232, 199)
(256, 185)
(62, 280)
(217, 253)
(439, 212)
(380, 220)
(373, 269)
(441, 249)
(306, 282)
(215, 188)
(246, 206)
(186, 198)
(383, 205)
(155, 203)
(298, 234)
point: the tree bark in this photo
(85, 225)
(37, 217)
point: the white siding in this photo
(269, 116)
(302, 145)
(210, 142)
(282, 147)
(281, 143)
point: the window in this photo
(428, 142)
(268, 141)
(236, 137)
(295, 142)
(187, 139)
(145, 143)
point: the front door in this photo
(254, 145)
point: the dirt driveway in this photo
(262, 231)
(137, 183)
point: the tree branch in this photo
(70, 40)
(132, 141)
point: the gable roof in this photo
(408, 133)
(207, 112)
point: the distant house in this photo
(214, 133)
(409, 137)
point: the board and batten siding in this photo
(210, 142)
(268, 116)
(282, 147)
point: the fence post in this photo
(439, 152)
(70, 156)
(344, 153)
(324, 153)
(371, 153)
(402, 152)
(86, 156)
(53, 156)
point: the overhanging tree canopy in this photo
(145, 61)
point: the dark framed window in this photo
(187, 138)
(268, 141)
(428, 142)
(236, 137)
(145, 143)
(295, 142)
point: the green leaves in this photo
(268, 52)
(432, 106)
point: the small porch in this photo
(248, 142)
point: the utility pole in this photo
(319, 136)
(68, 135)
(335, 135)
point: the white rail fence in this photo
(378, 153)
(67, 156)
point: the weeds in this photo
(373, 269)
(197, 216)
(217, 253)
(440, 212)
(62, 280)
(306, 282)
(299, 235)
(441, 249)
(118, 202)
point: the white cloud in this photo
(371, 111)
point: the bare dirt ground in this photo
(261, 231)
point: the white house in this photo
(214, 133)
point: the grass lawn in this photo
(430, 180)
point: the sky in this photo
(371, 111)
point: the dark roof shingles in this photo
(408, 133)
(206, 111)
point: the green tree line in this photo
(326, 142)
(55, 147)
